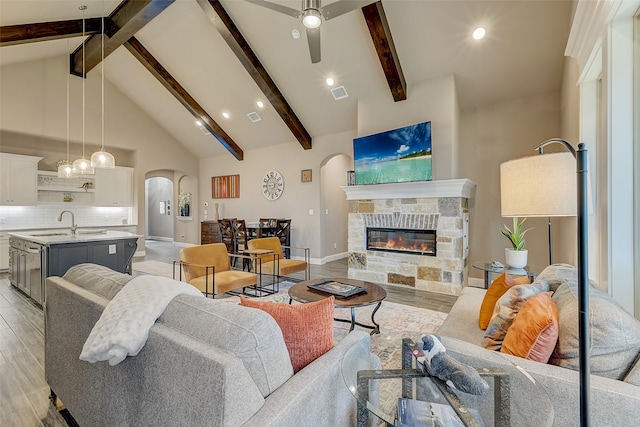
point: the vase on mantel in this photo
(515, 259)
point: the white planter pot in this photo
(515, 259)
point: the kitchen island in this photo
(36, 255)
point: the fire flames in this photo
(401, 244)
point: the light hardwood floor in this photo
(24, 394)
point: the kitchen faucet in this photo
(74, 226)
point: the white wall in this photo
(433, 100)
(490, 136)
(334, 211)
(298, 198)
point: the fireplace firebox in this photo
(419, 242)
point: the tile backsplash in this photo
(46, 216)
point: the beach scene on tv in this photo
(398, 155)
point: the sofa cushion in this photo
(498, 287)
(250, 335)
(633, 376)
(97, 279)
(506, 309)
(534, 332)
(307, 328)
(614, 333)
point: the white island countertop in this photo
(58, 236)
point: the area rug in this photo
(391, 317)
(156, 268)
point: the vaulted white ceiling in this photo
(521, 55)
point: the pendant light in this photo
(83, 166)
(65, 167)
(103, 159)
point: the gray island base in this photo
(36, 255)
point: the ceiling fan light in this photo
(103, 159)
(311, 18)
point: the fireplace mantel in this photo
(463, 188)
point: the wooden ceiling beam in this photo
(180, 93)
(129, 17)
(236, 41)
(11, 35)
(383, 42)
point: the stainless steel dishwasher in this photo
(25, 260)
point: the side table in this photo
(255, 259)
(488, 268)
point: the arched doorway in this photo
(334, 206)
(160, 209)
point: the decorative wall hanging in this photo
(225, 187)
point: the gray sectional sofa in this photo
(613, 402)
(205, 363)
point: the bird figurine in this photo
(438, 363)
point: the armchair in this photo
(207, 267)
(279, 265)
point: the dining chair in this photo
(226, 230)
(282, 232)
(240, 238)
(208, 268)
(278, 264)
(265, 229)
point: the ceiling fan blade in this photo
(277, 7)
(338, 8)
(313, 38)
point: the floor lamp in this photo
(544, 186)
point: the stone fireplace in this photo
(410, 234)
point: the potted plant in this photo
(516, 257)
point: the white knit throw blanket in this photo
(123, 327)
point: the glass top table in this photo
(489, 268)
(513, 398)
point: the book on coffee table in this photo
(337, 289)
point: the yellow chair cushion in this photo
(287, 266)
(221, 278)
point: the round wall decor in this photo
(272, 185)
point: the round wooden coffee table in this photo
(374, 294)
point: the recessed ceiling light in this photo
(225, 115)
(479, 33)
(260, 104)
(295, 34)
(198, 123)
(330, 81)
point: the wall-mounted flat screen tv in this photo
(399, 155)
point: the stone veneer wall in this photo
(444, 273)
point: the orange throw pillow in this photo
(307, 329)
(498, 287)
(534, 332)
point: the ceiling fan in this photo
(312, 14)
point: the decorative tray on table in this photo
(337, 289)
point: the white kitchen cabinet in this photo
(4, 251)
(114, 187)
(18, 179)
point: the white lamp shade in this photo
(103, 159)
(539, 186)
(65, 170)
(82, 167)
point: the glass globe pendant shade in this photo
(65, 169)
(83, 167)
(103, 159)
